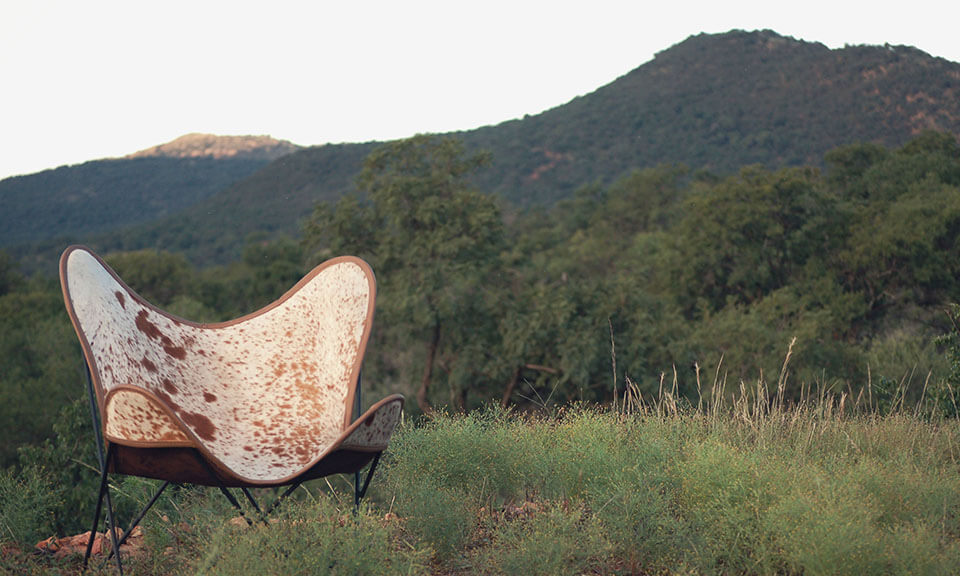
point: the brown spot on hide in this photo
(168, 400)
(146, 326)
(209, 397)
(201, 425)
(248, 448)
(177, 352)
(150, 366)
(168, 386)
(121, 299)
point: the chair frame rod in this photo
(104, 491)
(357, 407)
(104, 459)
(143, 512)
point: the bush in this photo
(551, 539)
(314, 538)
(28, 504)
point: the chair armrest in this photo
(371, 432)
(135, 417)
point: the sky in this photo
(95, 79)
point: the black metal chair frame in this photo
(360, 488)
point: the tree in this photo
(156, 275)
(432, 239)
(751, 233)
(10, 277)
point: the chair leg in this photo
(233, 500)
(281, 498)
(139, 517)
(104, 493)
(358, 491)
(96, 516)
(253, 502)
(112, 519)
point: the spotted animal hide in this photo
(265, 396)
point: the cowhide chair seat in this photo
(264, 400)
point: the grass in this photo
(743, 483)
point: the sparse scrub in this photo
(747, 483)
(826, 485)
(27, 506)
(310, 539)
(551, 539)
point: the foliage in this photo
(159, 276)
(945, 394)
(749, 487)
(94, 197)
(432, 240)
(648, 279)
(555, 539)
(714, 101)
(645, 290)
(824, 487)
(39, 365)
(310, 539)
(27, 506)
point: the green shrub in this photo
(920, 549)
(725, 494)
(550, 539)
(826, 532)
(442, 517)
(310, 539)
(28, 504)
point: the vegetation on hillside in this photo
(652, 279)
(777, 345)
(656, 487)
(714, 101)
(90, 199)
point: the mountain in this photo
(274, 200)
(721, 102)
(95, 197)
(713, 101)
(213, 146)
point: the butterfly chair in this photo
(266, 400)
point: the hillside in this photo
(712, 101)
(95, 197)
(274, 200)
(721, 102)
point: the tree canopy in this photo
(662, 276)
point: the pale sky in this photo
(83, 80)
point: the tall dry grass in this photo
(740, 479)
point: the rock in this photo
(70, 545)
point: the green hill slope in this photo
(712, 101)
(721, 102)
(94, 197)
